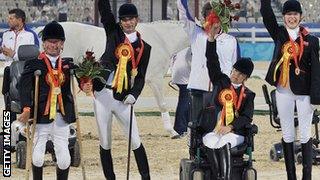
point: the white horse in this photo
(165, 37)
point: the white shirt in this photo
(13, 40)
(132, 36)
(53, 60)
(293, 33)
(226, 50)
(181, 66)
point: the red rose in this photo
(211, 19)
(237, 6)
(89, 55)
(227, 2)
(236, 18)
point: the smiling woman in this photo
(294, 70)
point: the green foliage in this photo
(90, 68)
(224, 9)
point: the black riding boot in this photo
(37, 172)
(289, 160)
(307, 160)
(142, 162)
(214, 163)
(107, 165)
(62, 174)
(225, 162)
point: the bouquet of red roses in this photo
(222, 11)
(89, 69)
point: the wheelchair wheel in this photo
(1, 149)
(21, 154)
(273, 154)
(75, 155)
(249, 174)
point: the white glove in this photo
(129, 99)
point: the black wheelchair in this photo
(276, 151)
(11, 78)
(197, 166)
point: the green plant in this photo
(90, 69)
(224, 10)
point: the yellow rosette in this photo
(55, 93)
(287, 52)
(227, 114)
(120, 80)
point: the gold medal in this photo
(236, 114)
(56, 90)
(134, 72)
(297, 71)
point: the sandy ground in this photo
(164, 154)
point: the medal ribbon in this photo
(237, 101)
(294, 52)
(54, 79)
(229, 99)
(120, 80)
(227, 115)
(135, 62)
(290, 51)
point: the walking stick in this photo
(37, 73)
(79, 137)
(129, 144)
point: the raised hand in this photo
(214, 31)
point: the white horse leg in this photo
(157, 89)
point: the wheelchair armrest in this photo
(266, 94)
(251, 129)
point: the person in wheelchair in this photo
(294, 71)
(236, 104)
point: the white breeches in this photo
(104, 107)
(285, 105)
(58, 132)
(215, 141)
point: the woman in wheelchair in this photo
(294, 71)
(235, 102)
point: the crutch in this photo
(129, 144)
(37, 73)
(79, 137)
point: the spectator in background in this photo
(43, 18)
(181, 67)
(36, 2)
(63, 11)
(12, 39)
(87, 18)
(17, 35)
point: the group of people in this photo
(216, 64)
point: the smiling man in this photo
(294, 71)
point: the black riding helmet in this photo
(53, 30)
(128, 10)
(244, 65)
(291, 5)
